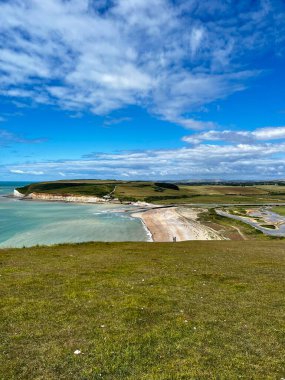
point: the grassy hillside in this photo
(68, 188)
(279, 210)
(199, 310)
(162, 193)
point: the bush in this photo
(165, 185)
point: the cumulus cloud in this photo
(168, 57)
(270, 133)
(266, 134)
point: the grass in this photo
(196, 310)
(229, 226)
(68, 188)
(224, 190)
(279, 210)
(162, 193)
(146, 191)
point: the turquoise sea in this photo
(28, 223)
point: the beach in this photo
(176, 223)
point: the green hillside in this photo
(162, 193)
(195, 310)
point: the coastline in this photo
(148, 232)
(161, 223)
(59, 198)
(77, 199)
(166, 223)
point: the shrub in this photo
(166, 185)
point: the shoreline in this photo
(148, 232)
(175, 223)
(45, 197)
(161, 223)
(59, 198)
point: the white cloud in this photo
(269, 133)
(265, 134)
(17, 171)
(194, 124)
(196, 39)
(203, 161)
(33, 172)
(104, 55)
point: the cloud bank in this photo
(208, 161)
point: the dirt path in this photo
(240, 233)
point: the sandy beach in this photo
(166, 223)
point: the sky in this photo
(142, 89)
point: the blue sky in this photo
(140, 89)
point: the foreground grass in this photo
(199, 310)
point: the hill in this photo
(161, 192)
(196, 310)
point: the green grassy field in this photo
(193, 310)
(279, 210)
(157, 193)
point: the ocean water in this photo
(28, 223)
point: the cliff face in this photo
(18, 194)
(61, 198)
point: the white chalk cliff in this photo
(18, 194)
(61, 198)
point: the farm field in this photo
(143, 311)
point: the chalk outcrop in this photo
(61, 198)
(18, 194)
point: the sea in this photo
(26, 223)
